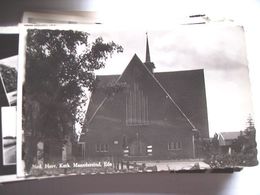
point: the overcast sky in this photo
(10, 61)
(219, 50)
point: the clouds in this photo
(202, 46)
(219, 50)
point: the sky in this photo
(218, 49)
(10, 61)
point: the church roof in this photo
(186, 89)
(230, 135)
(227, 138)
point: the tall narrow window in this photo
(124, 145)
(136, 107)
(102, 147)
(97, 147)
(105, 147)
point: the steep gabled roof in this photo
(185, 89)
(98, 96)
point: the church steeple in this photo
(148, 63)
(148, 58)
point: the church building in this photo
(145, 115)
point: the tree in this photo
(215, 144)
(9, 77)
(59, 71)
(250, 147)
(244, 151)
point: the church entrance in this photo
(137, 147)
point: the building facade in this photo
(142, 114)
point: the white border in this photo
(19, 140)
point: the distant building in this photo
(226, 140)
(154, 116)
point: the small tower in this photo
(148, 63)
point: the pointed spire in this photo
(148, 62)
(148, 58)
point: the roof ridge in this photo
(160, 85)
(199, 69)
(228, 132)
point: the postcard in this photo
(8, 96)
(96, 100)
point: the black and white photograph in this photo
(8, 99)
(96, 100)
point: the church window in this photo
(105, 148)
(125, 144)
(174, 145)
(97, 147)
(102, 147)
(136, 107)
